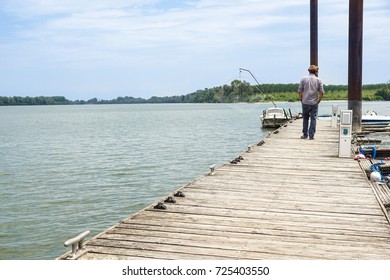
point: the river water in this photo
(66, 169)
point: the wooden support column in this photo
(313, 32)
(355, 58)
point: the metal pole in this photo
(355, 58)
(313, 32)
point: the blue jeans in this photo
(309, 112)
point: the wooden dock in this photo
(287, 199)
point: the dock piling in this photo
(314, 32)
(355, 62)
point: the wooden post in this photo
(314, 32)
(355, 59)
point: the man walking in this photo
(311, 91)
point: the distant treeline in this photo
(237, 91)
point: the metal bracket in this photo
(170, 200)
(261, 143)
(179, 194)
(160, 206)
(237, 160)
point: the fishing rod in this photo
(242, 69)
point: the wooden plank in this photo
(296, 215)
(201, 231)
(282, 195)
(240, 247)
(160, 250)
(289, 187)
(379, 228)
(209, 227)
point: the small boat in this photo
(372, 118)
(274, 117)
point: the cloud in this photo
(109, 29)
(117, 46)
(39, 8)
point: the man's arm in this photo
(320, 96)
(300, 90)
(321, 91)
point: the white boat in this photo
(274, 117)
(372, 118)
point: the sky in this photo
(83, 49)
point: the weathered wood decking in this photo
(288, 199)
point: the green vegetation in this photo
(41, 100)
(237, 91)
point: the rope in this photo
(373, 151)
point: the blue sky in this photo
(82, 49)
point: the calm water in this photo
(66, 169)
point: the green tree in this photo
(383, 94)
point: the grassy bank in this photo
(368, 95)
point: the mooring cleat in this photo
(160, 206)
(170, 200)
(261, 143)
(179, 194)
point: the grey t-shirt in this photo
(310, 86)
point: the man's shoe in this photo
(311, 138)
(303, 137)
